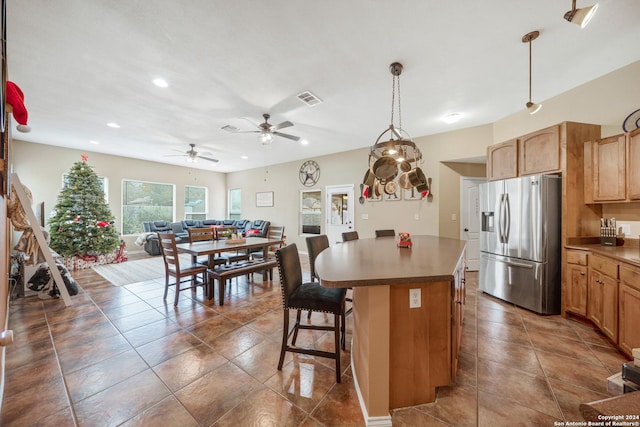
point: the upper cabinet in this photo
(633, 165)
(539, 152)
(502, 160)
(612, 169)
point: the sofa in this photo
(258, 228)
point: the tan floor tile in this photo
(187, 367)
(570, 397)
(411, 417)
(264, 407)
(340, 406)
(93, 352)
(123, 401)
(236, 342)
(39, 401)
(213, 327)
(167, 347)
(261, 360)
(227, 386)
(453, 405)
(517, 356)
(168, 412)
(495, 411)
(576, 372)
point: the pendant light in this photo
(398, 156)
(580, 16)
(527, 38)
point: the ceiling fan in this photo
(266, 130)
(193, 156)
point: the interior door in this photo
(339, 208)
(470, 223)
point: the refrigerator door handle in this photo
(501, 227)
(507, 219)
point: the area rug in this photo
(129, 272)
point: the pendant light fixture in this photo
(527, 38)
(580, 16)
(398, 156)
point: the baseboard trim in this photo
(383, 421)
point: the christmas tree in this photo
(82, 223)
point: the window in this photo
(235, 203)
(195, 202)
(145, 201)
(310, 211)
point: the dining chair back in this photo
(172, 268)
(298, 295)
(386, 233)
(349, 235)
(276, 232)
(315, 245)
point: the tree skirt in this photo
(80, 263)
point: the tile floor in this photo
(122, 356)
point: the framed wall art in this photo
(264, 199)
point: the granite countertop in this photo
(629, 252)
(624, 408)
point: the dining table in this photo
(407, 316)
(212, 247)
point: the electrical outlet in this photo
(416, 217)
(365, 216)
(625, 229)
(415, 298)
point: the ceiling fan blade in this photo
(208, 158)
(282, 125)
(175, 155)
(286, 135)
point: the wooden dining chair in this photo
(298, 295)
(203, 234)
(315, 245)
(172, 268)
(276, 232)
(386, 233)
(349, 235)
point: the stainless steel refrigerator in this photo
(520, 241)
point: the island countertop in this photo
(379, 261)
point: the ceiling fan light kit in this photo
(397, 156)
(266, 131)
(582, 16)
(528, 38)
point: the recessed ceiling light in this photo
(113, 125)
(160, 82)
(244, 157)
(94, 142)
(451, 118)
(304, 142)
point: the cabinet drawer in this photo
(630, 276)
(577, 257)
(605, 266)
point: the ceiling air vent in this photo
(308, 98)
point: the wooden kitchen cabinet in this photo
(629, 309)
(540, 152)
(602, 306)
(609, 169)
(633, 165)
(502, 160)
(457, 312)
(577, 274)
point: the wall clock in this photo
(309, 173)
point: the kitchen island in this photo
(408, 314)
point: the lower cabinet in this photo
(457, 313)
(577, 275)
(603, 295)
(629, 309)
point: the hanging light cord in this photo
(396, 80)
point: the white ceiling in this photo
(84, 63)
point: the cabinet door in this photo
(629, 318)
(539, 152)
(610, 307)
(609, 169)
(633, 165)
(502, 160)
(577, 287)
(596, 294)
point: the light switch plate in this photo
(365, 216)
(625, 229)
(415, 298)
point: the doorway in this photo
(470, 219)
(339, 209)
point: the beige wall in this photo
(40, 167)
